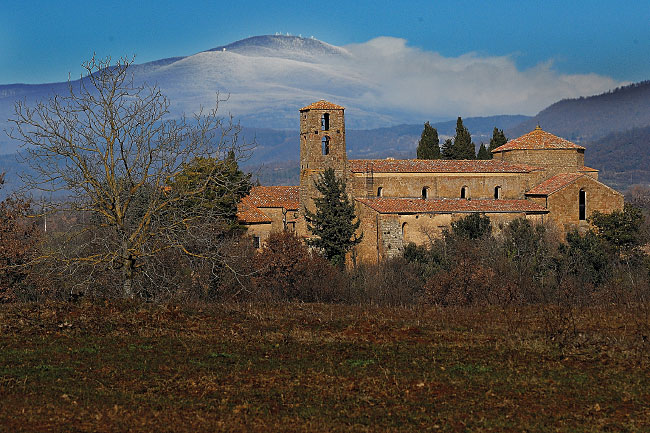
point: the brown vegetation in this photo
(125, 366)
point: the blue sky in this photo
(41, 41)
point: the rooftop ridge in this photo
(450, 205)
(322, 105)
(438, 166)
(555, 183)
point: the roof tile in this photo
(275, 196)
(322, 105)
(537, 139)
(249, 214)
(446, 205)
(555, 183)
(437, 166)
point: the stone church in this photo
(537, 176)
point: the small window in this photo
(497, 192)
(257, 242)
(425, 192)
(291, 226)
(464, 192)
(582, 205)
(325, 122)
(326, 145)
(403, 230)
(380, 192)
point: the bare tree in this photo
(112, 149)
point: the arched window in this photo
(326, 145)
(425, 192)
(380, 192)
(582, 205)
(404, 231)
(464, 192)
(497, 192)
(325, 122)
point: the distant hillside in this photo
(586, 119)
(622, 157)
(397, 141)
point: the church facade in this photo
(537, 176)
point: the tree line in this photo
(460, 147)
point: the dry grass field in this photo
(119, 366)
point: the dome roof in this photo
(538, 139)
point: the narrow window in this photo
(325, 122)
(256, 242)
(464, 192)
(403, 230)
(497, 192)
(326, 145)
(291, 226)
(380, 192)
(425, 192)
(582, 202)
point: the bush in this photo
(473, 226)
(288, 270)
(393, 282)
(19, 240)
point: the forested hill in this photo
(622, 157)
(586, 119)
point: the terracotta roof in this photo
(556, 183)
(248, 213)
(437, 166)
(585, 168)
(322, 105)
(446, 205)
(275, 196)
(537, 139)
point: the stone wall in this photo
(261, 230)
(553, 160)
(367, 251)
(386, 235)
(563, 204)
(446, 185)
(390, 232)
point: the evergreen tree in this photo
(447, 151)
(333, 224)
(473, 226)
(463, 146)
(429, 144)
(498, 139)
(214, 185)
(483, 153)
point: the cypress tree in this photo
(463, 146)
(498, 139)
(448, 149)
(429, 144)
(333, 224)
(483, 153)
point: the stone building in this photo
(537, 176)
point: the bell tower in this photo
(322, 145)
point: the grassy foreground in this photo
(132, 367)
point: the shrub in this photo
(19, 239)
(288, 270)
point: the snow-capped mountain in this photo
(382, 83)
(266, 79)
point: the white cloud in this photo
(427, 83)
